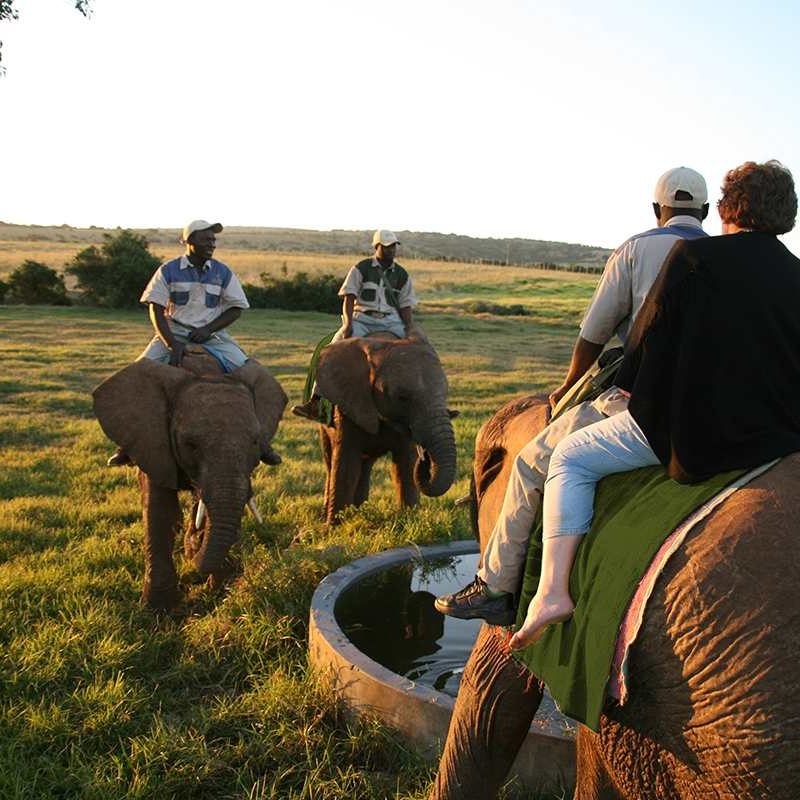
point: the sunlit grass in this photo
(102, 699)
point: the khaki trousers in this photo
(507, 548)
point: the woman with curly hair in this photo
(713, 371)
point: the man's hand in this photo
(347, 330)
(557, 394)
(200, 334)
(176, 354)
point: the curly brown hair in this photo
(760, 197)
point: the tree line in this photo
(114, 275)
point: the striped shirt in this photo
(194, 297)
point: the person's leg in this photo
(224, 348)
(156, 350)
(490, 596)
(310, 408)
(504, 557)
(616, 444)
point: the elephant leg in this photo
(362, 487)
(345, 472)
(403, 460)
(161, 512)
(327, 457)
(497, 700)
(593, 779)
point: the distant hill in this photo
(444, 246)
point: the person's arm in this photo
(161, 326)
(407, 316)
(584, 355)
(610, 305)
(348, 306)
(226, 318)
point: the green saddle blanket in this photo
(634, 513)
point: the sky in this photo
(542, 120)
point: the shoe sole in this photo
(493, 619)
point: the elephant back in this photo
(714, 682)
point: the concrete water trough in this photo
(420, 702)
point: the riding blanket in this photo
(634, 514)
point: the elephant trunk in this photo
(223, 524)
(435, 470)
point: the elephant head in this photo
(400, 383)
(204, 432)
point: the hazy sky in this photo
(547, 120)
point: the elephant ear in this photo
(133, 407)
(269, 399)
(344, 377)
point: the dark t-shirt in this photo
(713, 362)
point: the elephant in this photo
(390, 396)
(714, 685)
(188, 429)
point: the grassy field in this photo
(100, 698)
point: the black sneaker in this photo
(309, 410)
(474, 602)
(269, 456)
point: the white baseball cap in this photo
(385, 238)
(199, 225)
(681, 179)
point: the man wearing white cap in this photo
(191, 300)
(377, 296)
(680, 206)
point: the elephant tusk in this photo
(463, 501)
(200, 516)
(251, 504)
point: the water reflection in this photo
(390, 617)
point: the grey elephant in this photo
(390, 397)
(714, 681)
(187, 431)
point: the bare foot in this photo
(542, 611)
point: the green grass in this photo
(100, 698)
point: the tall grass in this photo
(102, 699)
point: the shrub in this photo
(298, 293)
(480, 307)
(36, 284)
(3, 290)
(115, 274)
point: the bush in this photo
(115, 274)
(36, 284)
(3, 290)
(479, 307)
(298, 293)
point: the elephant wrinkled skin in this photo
(390, 396)
(189, 432)
(714, 707)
